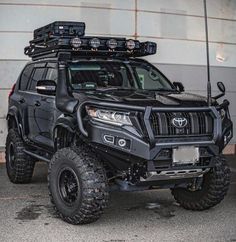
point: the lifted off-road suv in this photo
(104, 119)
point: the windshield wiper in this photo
(163, 89)
(115, 88)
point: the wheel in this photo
(212, 191)
(77, 185)
(19, 166)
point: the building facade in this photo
(177, 26)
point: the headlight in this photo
(222, 113)
(107, 116)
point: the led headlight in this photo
(94, 43)
(108, 116)
(130, 44)
(112, 43)
(76, 42)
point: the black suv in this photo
(104, 119)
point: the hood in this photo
(146, 98)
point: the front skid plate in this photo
(174, 174)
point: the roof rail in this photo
(59, 37)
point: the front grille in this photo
(198, 124)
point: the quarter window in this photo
(25, 77)
(38, 75)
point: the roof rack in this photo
(68, 37)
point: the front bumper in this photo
(139, 148)
(150, 148)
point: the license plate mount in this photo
(185, 155)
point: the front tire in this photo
(19, 166)
(77, 185)
(213, 189)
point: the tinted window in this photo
(107, 75)
(37, 75)
(51, 74)
(25, 77)
(99, 74)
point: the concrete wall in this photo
(176, 25)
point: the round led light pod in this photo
(130, 44)
(94, 43)
(112, 44)
(76, 42)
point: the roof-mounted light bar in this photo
(112, 44)
(83, 45)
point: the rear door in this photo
(21, 98)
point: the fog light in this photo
(76, 42)
(94, 43)
(122, 142)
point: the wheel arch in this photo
(13, 120)
(64, 131)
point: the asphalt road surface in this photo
(26, 215)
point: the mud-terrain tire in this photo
(77, 185)
(20, 167)
(213, 189)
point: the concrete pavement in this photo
(26, 215)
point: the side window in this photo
(37, 75)
(51, 74)
(25, 77)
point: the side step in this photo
(36, 156)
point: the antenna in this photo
(207, 55)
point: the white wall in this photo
(176, 25)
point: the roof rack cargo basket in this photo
(49, 41)
(58, 29)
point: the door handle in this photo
(21, 100)
(37, 103)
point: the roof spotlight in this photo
(112, 43)
(130, 44)
(94, 43)
(76, 42)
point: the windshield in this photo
(106, 75)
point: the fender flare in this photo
(13, 113)
(67, 122)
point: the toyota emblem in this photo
(179, 122)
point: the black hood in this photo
(146, 98)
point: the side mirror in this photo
(179, 86)
(46, 87)
(221, 87)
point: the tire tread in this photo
(95, 193)
(218, 185)
(24, 166)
